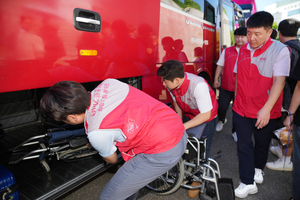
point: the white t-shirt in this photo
(202, 96)
(221, 61)
(104, 140)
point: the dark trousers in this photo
(206, 130)
(209, 131)
(251, 155)
(225, 97)
(296, 162)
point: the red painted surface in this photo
(195, 34)
(40, 46)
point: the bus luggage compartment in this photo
(34, 182)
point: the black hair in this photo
(260, 19)
(289, 27)
(170, 70)
(274, 34)
(241, 31)
(65, 98)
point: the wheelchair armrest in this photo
(190, 135)
(78, 142)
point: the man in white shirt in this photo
(225, 67)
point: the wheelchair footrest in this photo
(225, 187)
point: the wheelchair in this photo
(195, 167)
(64, 144)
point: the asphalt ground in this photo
(277, 185)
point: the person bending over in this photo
(149, 135)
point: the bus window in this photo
(195, 8)
(209, 13)
(228, 24)
(211, 7)
(239, 19)
(248, 6)
(247, 10)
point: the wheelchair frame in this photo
(187, 170)
(63, 147)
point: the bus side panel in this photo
(40, 46)
(198, 38)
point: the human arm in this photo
(177, 109)
(217, 75)
(219, 69)
(197, 120)
(236, 79)
(263, 115)
(293, 107)
(204, 104)
(111, 159)
(104, 140)
(281, 69)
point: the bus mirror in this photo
(242, 22)
(240, 13)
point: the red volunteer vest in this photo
(228, 76)
(148, 125)
(255, 79)
(185, 99)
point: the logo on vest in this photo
(131, 126)
(262, 59)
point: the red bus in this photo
(43, 42)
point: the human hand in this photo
(288, 122)
(216, 84)
(263, 117)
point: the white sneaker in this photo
(220, 125)
(280, 165)
(276, 150)
(234, 135)
(243, 190)
(258, 176)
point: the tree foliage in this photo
(188, 3)
(275, 26)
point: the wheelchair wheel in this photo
(170, 181)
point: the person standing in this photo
(292, 122)
(261, 68)
(288, 29)
(225, 67)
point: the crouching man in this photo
(149, 134)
